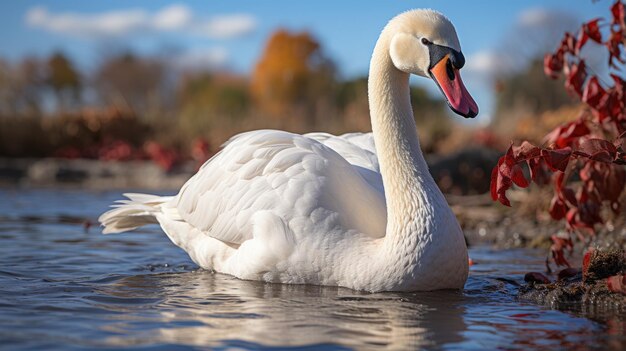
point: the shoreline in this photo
(90, 174)
(484, 221)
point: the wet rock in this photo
(569, 274)
(600, 286)
(536, 277)
(600, 264)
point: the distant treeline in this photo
(48, 105)
(50, 108)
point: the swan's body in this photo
(322, 209)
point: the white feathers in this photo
(130, 214)
(277, 171)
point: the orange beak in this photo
(449, 81)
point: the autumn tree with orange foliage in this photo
(293, 78)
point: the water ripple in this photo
(62, 287)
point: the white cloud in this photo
(106, 24)
(174, 18)
(228, 26)
(535, 17)
(487, 64)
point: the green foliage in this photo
(351, 91)
(207, 101)
(64, 79)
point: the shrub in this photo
(591, 148)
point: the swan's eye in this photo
(425, 41)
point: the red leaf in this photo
(517, 175)
(576, 78)
(558, 181)
(526, 151)
(501, 180)
(506, 163)
(559, 257)
(494, 183)
(570, 196)
(568, 44)
(616, 105)
(537, 171)
(558, 208)
(618, 12)
(586, 172)
(572, 217)
(582, 39)
(557, 159)
(613, 45)
(597, 150)
(613, 183)
(565, 134)
(503, 185)
(594, 95)
(592, 30)
(553, 65)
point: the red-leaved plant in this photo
(592, 146)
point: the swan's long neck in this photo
(411, 194)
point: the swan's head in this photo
(424, 42)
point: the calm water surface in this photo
(62, 287)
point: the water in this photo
(67, 288)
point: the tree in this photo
(529, 92)
(522, 90)
(21, 87)
(209, 100)
(132, 82)
(292, 75)
(64, 80)
(532, 35)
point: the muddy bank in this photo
(486, 222)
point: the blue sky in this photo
(232, 33)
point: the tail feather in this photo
(138, 210)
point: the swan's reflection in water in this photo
(204, 309)
(61, 288)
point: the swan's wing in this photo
(310, 187)
(359, 150)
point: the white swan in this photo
(330, 210)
